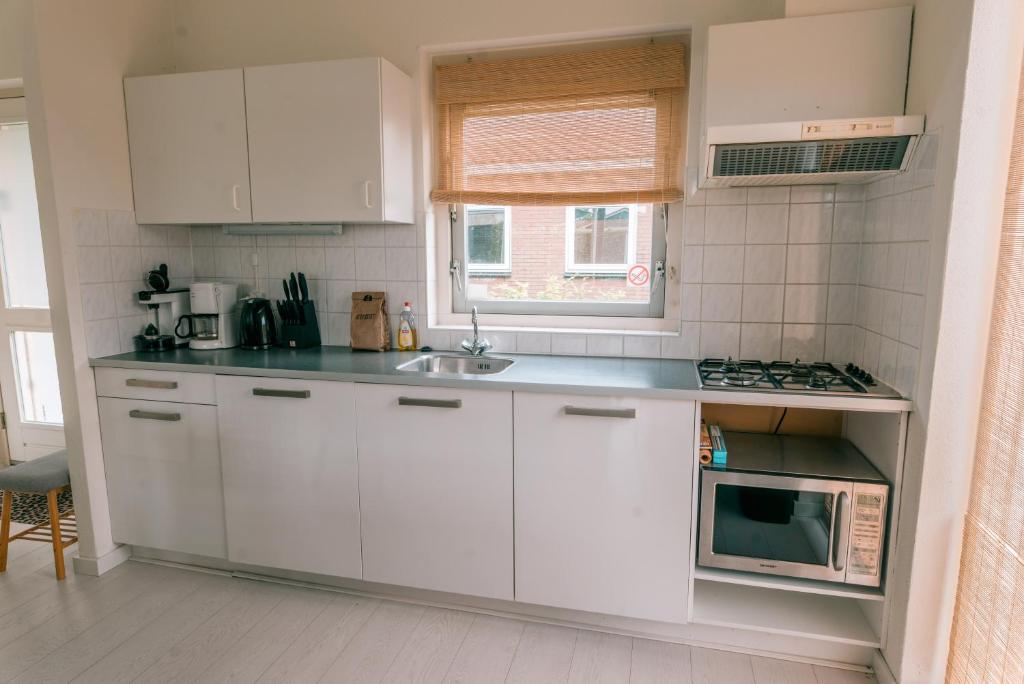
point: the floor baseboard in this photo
(97, 566)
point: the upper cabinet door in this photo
(187, 139)
(330, 142)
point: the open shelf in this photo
(810, 615)
(807, 586)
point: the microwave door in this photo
(777, 525)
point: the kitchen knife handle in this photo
(283, 394)
(600, 412)
(293, 285)
(154, 415)
(303, 288)
(287, 294)
(430, 403)
(151, 384)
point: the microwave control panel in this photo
(867, 529)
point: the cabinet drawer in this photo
(130, 383)
(162, 463)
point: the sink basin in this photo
(461, 364)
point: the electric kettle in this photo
(257, 324)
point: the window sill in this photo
(558, 325)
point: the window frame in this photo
(505, 267)
(572, 268)
(461, 303)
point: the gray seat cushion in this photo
(38, 475)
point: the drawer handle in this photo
(154, 415)
(430, 403)
(600, 413)
(285, 394)
(151, 384)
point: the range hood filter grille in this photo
(810, 157)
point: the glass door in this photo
(31, 414)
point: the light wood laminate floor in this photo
(149, 623)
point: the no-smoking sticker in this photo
(638, 275)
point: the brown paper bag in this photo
(370, 327)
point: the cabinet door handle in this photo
(151, 384)
(154, 415)
(600, 412)
(286, 394)
(234, 197)
(841, 532)
(367, 200)
(430, 403)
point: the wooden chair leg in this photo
(5, 528)
(58, 543)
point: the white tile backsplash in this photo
(767, 224)
(725, 225)
(723, 264)
(813, 271)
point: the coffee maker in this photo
(166, 307)
(211, 325)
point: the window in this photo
(488, 239)
(598, 260)
(29, 390)
(600, 240)
(558, 172)
(21, 245)
(36, 366)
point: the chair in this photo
(47, 476)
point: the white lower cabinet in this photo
(435, 481)
(602, 503)
(291, 491)
(163, 475)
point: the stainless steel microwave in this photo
(798, 506)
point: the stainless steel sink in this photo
(459, 364)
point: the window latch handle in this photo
(659, 274)
(455, 269)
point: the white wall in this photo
(76, 56)
(233, 33)
(963, 75)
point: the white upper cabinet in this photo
(186, 134)
(330, 141)
(319, 142)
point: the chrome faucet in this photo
(477, 347)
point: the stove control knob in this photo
(868, 380)
(850, 367)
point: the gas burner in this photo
(815, 383)
(788, 376)
(740, 379)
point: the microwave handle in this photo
(841, 532)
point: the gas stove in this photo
(791, 377)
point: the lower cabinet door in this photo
(602, 503)
(435, 481)
(163, 475)
(291, 490)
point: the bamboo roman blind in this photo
(987, 643)
(596, 127)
